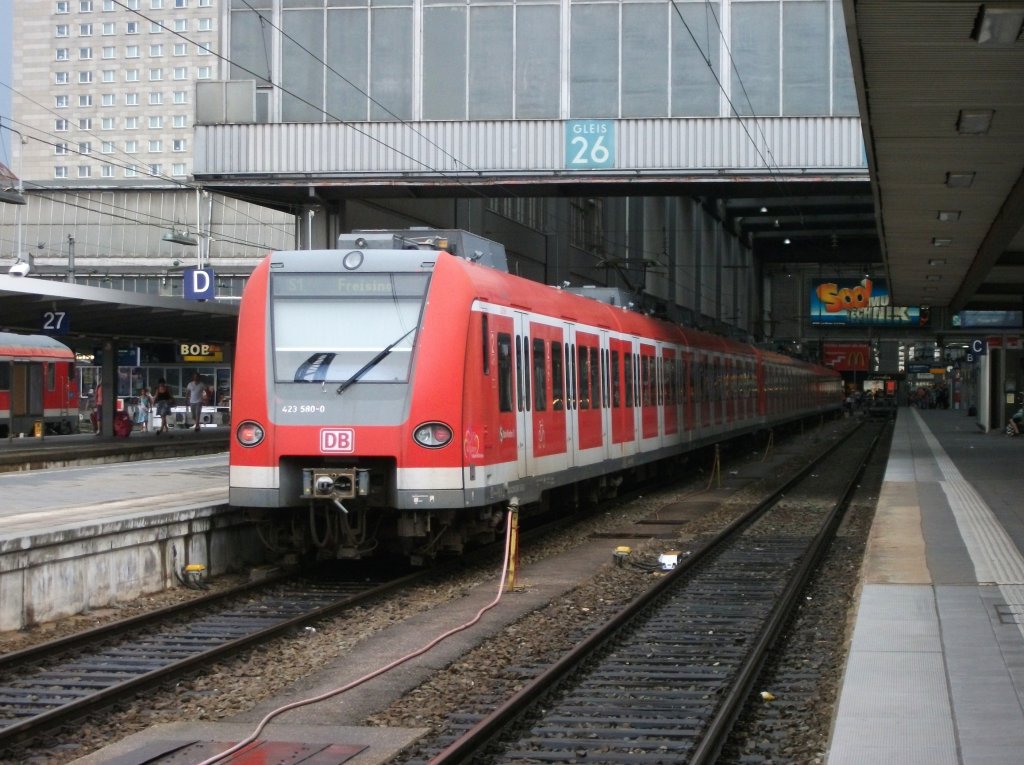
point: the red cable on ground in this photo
(377, 672)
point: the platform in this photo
(111, 519)
(935, 673)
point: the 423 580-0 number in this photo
(303, 409)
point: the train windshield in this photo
(329, 327)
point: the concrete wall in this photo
(69, 571)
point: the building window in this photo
(181, 96)
(132, 28)
(85, 100)
(205, 73)
(108, 6)
(85, 123)
(83, 171)
(131, 123)
(107, 171)
(63, 54)
(61, 78)
(179, 144)
(155, 99)
(203, 49)
(108, 52)
(85, 148)
(131, 75)
(155, 75)
(156, 122)
(60, 171)
(155, 51)
(61, 102)
(131, 147)
(205, 3)
(85, 30)
(84, 77)
(63, 6)
(131, 171)
(63, 30)
(156, 146)
(85, 6)
(181, 25)
(108, 123)
(131, 51)
(107, 147)
(109, 28)
(155, 27)
(60, 149)
(181, 72)
(131, 99)
(181, 3)
(179, 169)
(61, 126)
(156, 169)
(180, 49)
(84, 54)
(108, 99)
(205, 25)
(180, 121)
(109, 75)
(156, 5)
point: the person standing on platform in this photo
(97, 410)
(142, 409)
(163, 401)
(196, 392)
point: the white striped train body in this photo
(37, 385)
(409, 395)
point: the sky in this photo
(6, 11)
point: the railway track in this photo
(47, 685)
(664, 680)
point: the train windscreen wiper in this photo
(372, 363)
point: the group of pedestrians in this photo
(161, 400)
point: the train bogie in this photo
(407, 395)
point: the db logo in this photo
(337, 440)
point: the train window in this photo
(51, 377)
(540, 392)
(519, 373)
(595, 378)
(484, 338)
(584, 371)
(504, 372)
(616, 384)
(645, 381)
(557, 380)
(570, 368)
(627, 359)
(606, 389)
(313, 315)
(5, 376)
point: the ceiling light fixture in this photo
(937, 262)
(959, 179)
(787, 240)
(180, 237)
(974, 121)
(949, 216)
(940, 241)
(933, 277)
(931, 289)
(998, 24)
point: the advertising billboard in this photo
(846, 357)
(855, 303)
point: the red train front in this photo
(37, 386)
(405, 387)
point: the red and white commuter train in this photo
(406, 388)
(38, 389)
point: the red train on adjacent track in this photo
(405, 388)
(38, 389)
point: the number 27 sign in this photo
(589, 144)
(56, 322)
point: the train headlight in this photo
(249, 433)
(433, 435)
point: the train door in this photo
(589, 411)
(648, 391)
(524, 404)
(670, 379)
(27, 390)
(620, 368)
(548, 419)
